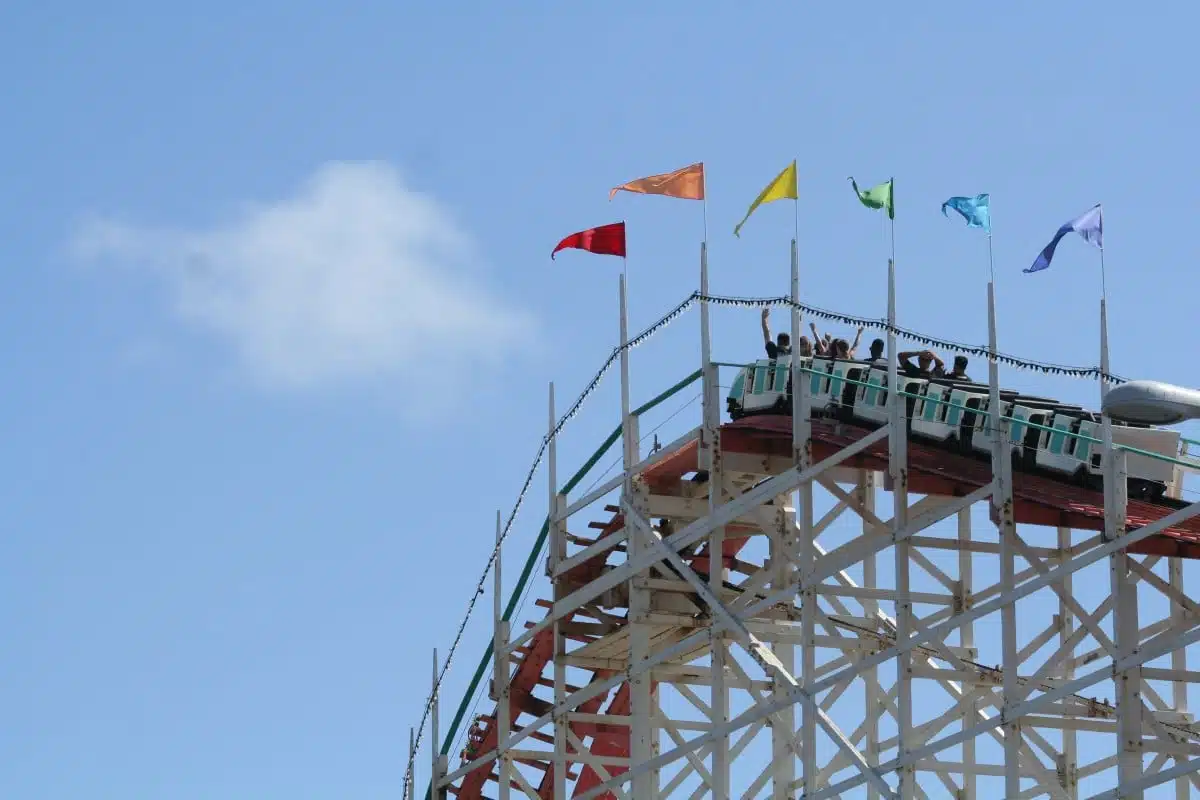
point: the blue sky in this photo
(279, 312)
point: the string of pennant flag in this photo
(906, 333)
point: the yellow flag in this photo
(782, 188)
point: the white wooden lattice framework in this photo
(868, 654)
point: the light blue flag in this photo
(1089, 225)
(974, 210)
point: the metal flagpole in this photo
(991, 260)
(1103, 277)
(796, 225)
(1106, 423)
(1002, 506)
(624, 289)
(436, 789)
(784, 773)
(897, 472)
(641, 700)
(1108, 464)
(892, 226)
(500, 673)
(1123, 587)
(710, 402)
(1103, 326)
(710, 444)
(408, 784)
(1104, 373)
(625, 266)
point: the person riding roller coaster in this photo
(959, 373)
(782, 346)
(925, 358)
(835, 348)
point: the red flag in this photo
(607, 240)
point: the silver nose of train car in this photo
(1152, 403)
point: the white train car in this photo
(1044, 435)
(1068, 449)
(870, 399)
(936, 414)
(1160, 478)
(761, 387)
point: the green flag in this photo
(877, 197)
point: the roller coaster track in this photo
(764, 442)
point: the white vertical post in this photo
(783, 722)
(552, 479)
(710, 398)
(801, 456)
(719, 700)
(437, 790)
(1066, 629)
(801, 417)
(1179, 698)
(1002, 502)
(1105, 422)
(1128, 683)
(709, 410)
(412, 754)
(898, 474)
(629, 445)
(707, 397)
(873, 706)
(967, 640)
(560, 641)
(1124, 590)
(500, 675)
(641, 745)
(996, 420)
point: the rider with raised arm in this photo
(821, 344)
(782, 345)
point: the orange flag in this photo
(686, 184)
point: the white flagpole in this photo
(1002, 504)
(991, 260)
(1105, 421)
(897, 472)
(1103, 277)
(796, 222)
(892, 226)
(1103, 345)
(625, 265)
(1103, 322)
(1106, 435)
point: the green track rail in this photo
(536, 552)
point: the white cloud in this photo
(355, 276)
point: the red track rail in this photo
(537, 656)
(1038, 501)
